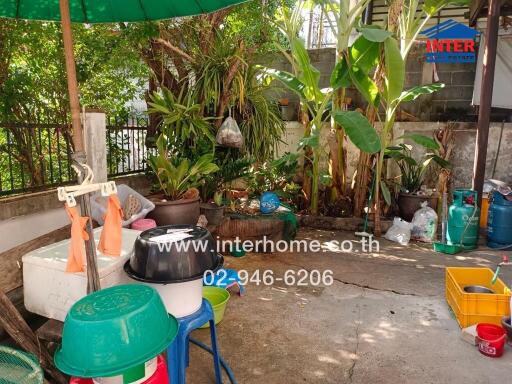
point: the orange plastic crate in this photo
(474, 308)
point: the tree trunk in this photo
(337, 153)
(363, 177)
(308, 154)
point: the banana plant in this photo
(415, 16)
(356, 68)
(318, 102)
(411, 21)
(342, 17)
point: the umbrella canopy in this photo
(98, 11)
(95, 11)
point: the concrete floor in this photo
(383, 320)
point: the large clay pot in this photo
(409, 203)
(184, 211)
(213, 213)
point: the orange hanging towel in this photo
(76, 256)
(110, 240)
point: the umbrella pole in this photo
(79, 156)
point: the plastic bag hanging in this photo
(229, 134)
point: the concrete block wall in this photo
(323, 59)
(464, 149)
(451, 103)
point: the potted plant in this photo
(218, 183)
(214, 211)
(413, 173)
(178, 180)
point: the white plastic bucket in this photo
(181, 299)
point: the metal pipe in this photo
(484, 112)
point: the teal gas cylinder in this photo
(463, 219)
(499, 222)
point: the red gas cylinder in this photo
(159, 377)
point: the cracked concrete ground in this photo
(383, 320)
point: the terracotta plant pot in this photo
(213, 213)
(184, 211)
(409, 203)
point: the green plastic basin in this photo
(218, 298)
(110, 331)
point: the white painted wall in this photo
(19, 230)
(295, 132)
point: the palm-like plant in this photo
(182, 117)
(413, 171)
(178, 175)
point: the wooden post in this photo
(93, 279)
(67, 37)
(484, 111)
(18, 329)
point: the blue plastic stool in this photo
(178, 351)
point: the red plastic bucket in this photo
(143, 224)
(159, 377)
(491, 339)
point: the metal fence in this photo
(126, 147)
(35, 156)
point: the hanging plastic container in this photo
(499, 222)
(229, 135)
(463, 219)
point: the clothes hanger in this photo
(69, 193)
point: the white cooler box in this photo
(50, 291)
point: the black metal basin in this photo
(173, 254)
(477, 289)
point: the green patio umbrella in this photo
(99, 11)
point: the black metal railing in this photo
(35, 156)
(126, 145)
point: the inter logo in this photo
(450, 42)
